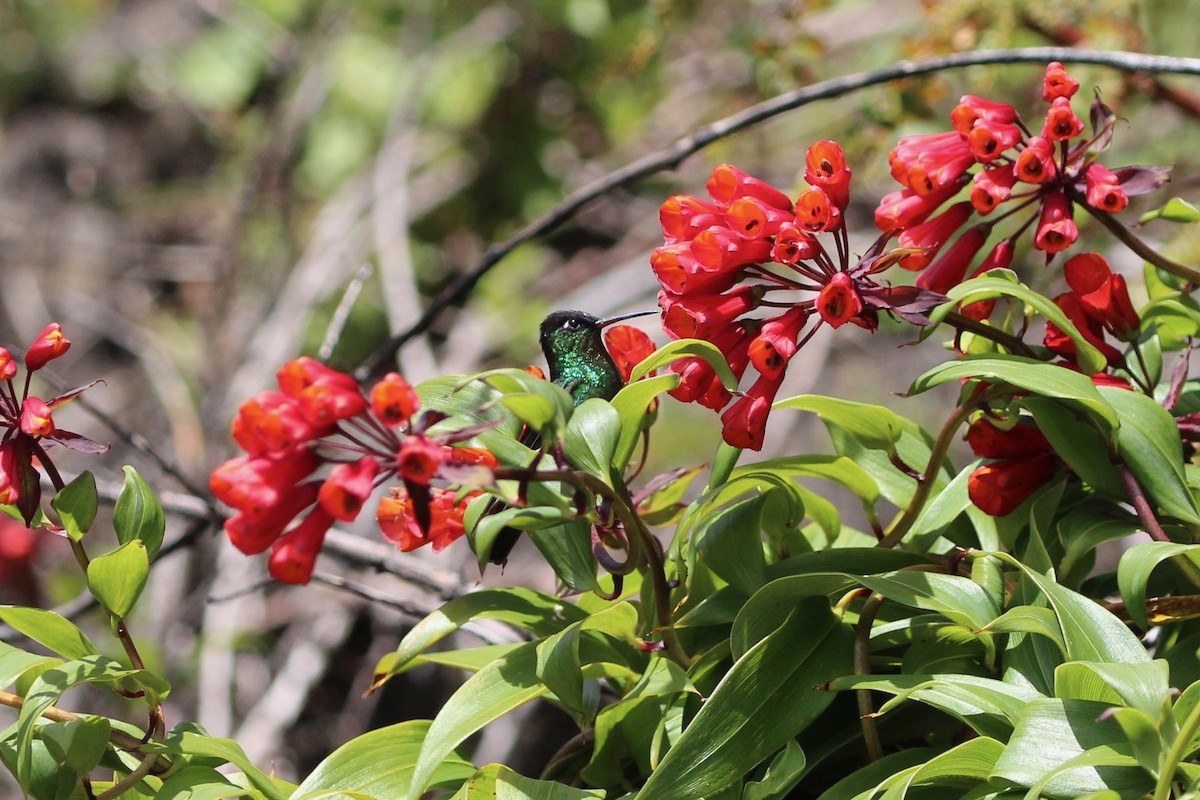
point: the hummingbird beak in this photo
(604, 323)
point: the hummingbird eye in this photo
(571, 325)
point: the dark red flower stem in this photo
(1140, 504)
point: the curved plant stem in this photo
(862, 666)
(1142, 249)
(925, 481)
(674, 154)
(1014, 344)
(1142, 505)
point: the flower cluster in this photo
(1023, 461)
(1042, 176)
(1098, 301)
(320, 417)
(28, 424)
(750, 248)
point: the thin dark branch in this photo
(671, 156)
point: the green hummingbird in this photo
(579, 362)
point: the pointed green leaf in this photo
(876, 427)
(1145, 687)
(186, 742)
(1034, 376)
(631, 404)
(117, 579)
(567, 548)
(591, 438)
(766, 698)
(1030, 619)
(76, 505)
(1074, 439)
(50, 630)
(380, 764)
(199, 783)
(1133, 571)
(1148, 442)
(729, 543)
(498, 782)
(78, 744)
(138, 514)
(782, 774)
(957, 598)
(684, 348)
(1174, 210)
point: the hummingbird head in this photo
(572, 339)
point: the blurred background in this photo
(200, 190)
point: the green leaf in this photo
(1052, 734)
(1133, 572)
(876, 427)
(76, 505)
(838, 469)
(766, 698)
(558, 662)
(865, 783)
(1148, 442)
(631, 404)
(567, 549)
(1145, 687)
(1075, 441)
(498, 782)
(50, 630)
(117, 579)
(537, 402)
(1174, 210)
(990, 707)
(1035, 376)
(1090, 359)
(78, 744)
(1030, 619)
(199, 783)
(782, 774)
(504, 684)
(46, 690)
(184, 742)
(591, 438)
(380, 764)
(967, 764)
(138, 514)
(729, 544)
(14, 662)
(540, 614)
(959, 599)
(772, 605)
(1090, 632)
(683, 348)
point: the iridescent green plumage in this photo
(578, 360)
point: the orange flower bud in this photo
(49, 345)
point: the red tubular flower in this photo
(8, 365)
(254, 531)
(10, 482)
(49, 345)
(991, 187)
(419, 459)
(744, 424)
(1102, 294)
(825, 168)
(905, 208)
(348, 486)
(682, 217)
(930, 235)
(989, 140)
(971, 110)
(272, 422)
(1093, 332)
(397, 520)
(393, 400)
(753, 219)
(1061, 122)
(1057, 83)
(838, 301)
(628, 346)
(816, 212)
(987, 440)
(255, 484)
(324, 396)
(1056, 231)
(680, 272)
(951, 266)
(699, 382)
(702, 315)
(35, 417)
(777, 341)
(793, 245)
(928, 162)
(1104, 190)
(998, 489)
(1036, 162)
(294, 555)
(721, 250)
(727, 183)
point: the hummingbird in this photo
(573, 345)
